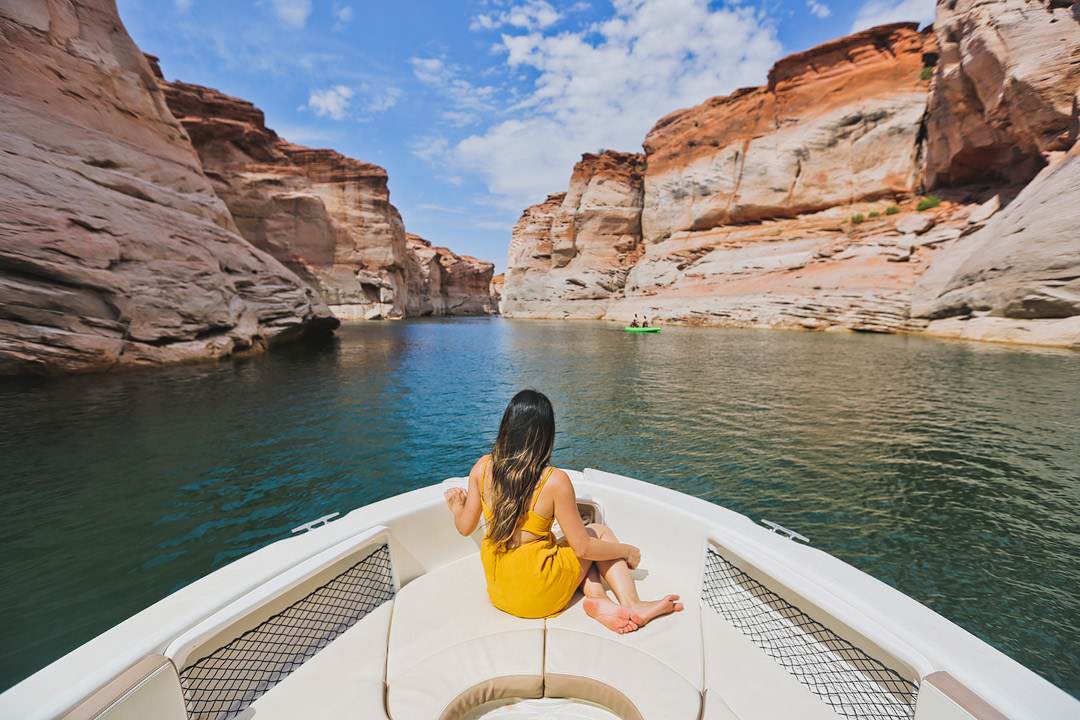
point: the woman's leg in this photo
(598, 605)
(617, 575)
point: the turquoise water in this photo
(947, 469)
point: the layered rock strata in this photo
(326, 216)
(576, 248)
(1017, 278)
(740, 193)
(444, 283)
(794, 205)
(114, 248)
(834, 125)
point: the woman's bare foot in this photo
(612, 616)
(646, 610)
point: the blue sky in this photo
(480, 108)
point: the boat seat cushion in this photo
(746, 684)
(343, 680)
(654, 673)
(148, 689)
(452, 650)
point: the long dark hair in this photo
(522, 451)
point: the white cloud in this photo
(460, 119)
(382, 99)
(333, 102)
(343, 14)
(532, 15)
(183, 5)
(817, 9)
(429, 148)
(455, 180)
(440, 208)
(447, 80)
(291, 13)
(606, 85)
(881, 12)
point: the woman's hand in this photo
(455, 499)
(633, 557)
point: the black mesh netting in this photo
(854, 684)
(225, 682)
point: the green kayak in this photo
(641, 329)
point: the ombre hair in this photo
(522, 451)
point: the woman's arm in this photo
(585, 545)
(466, 505)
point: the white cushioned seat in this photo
(743, 683)
(148, 689)
(346, 679)
(452, 650)
(654, 673)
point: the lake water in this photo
(949, 470)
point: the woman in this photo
(529, 573)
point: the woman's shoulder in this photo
(558, 479)
(479, 465)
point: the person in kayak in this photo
(634, 322)
(645, 321)
(529, 573)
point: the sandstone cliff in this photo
(1005, 91)
(444, 283)
(114, 249)
(575, 248)
(836, 124)
(795, 204)
(1016, 279)
(325, 215)
(734, 200)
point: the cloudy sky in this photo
(479, 108)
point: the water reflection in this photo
(948, 470)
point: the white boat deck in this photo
(771, 629)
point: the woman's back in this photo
(538, 517)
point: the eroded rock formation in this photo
(1017, 278)
(575, 248)
(444, 283)
(795, 204)
(114, 249)
(326, 216)
(1005, 91)
(836, 124)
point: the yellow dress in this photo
(535, 579)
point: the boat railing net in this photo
(225, 682)
(854, 684)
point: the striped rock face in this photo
(575, 248)
(836, 124)
(114, 249)
(326, 216)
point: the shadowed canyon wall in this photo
(444, 283)
(114, 249)
(325, 215)
(129, 238)
(795, 204)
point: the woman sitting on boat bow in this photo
(529, 573)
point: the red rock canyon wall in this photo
(325, 215)
(114, 249)
(746, 201)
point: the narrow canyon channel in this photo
(947, 469)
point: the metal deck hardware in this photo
(781, 530)
(315, 523)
